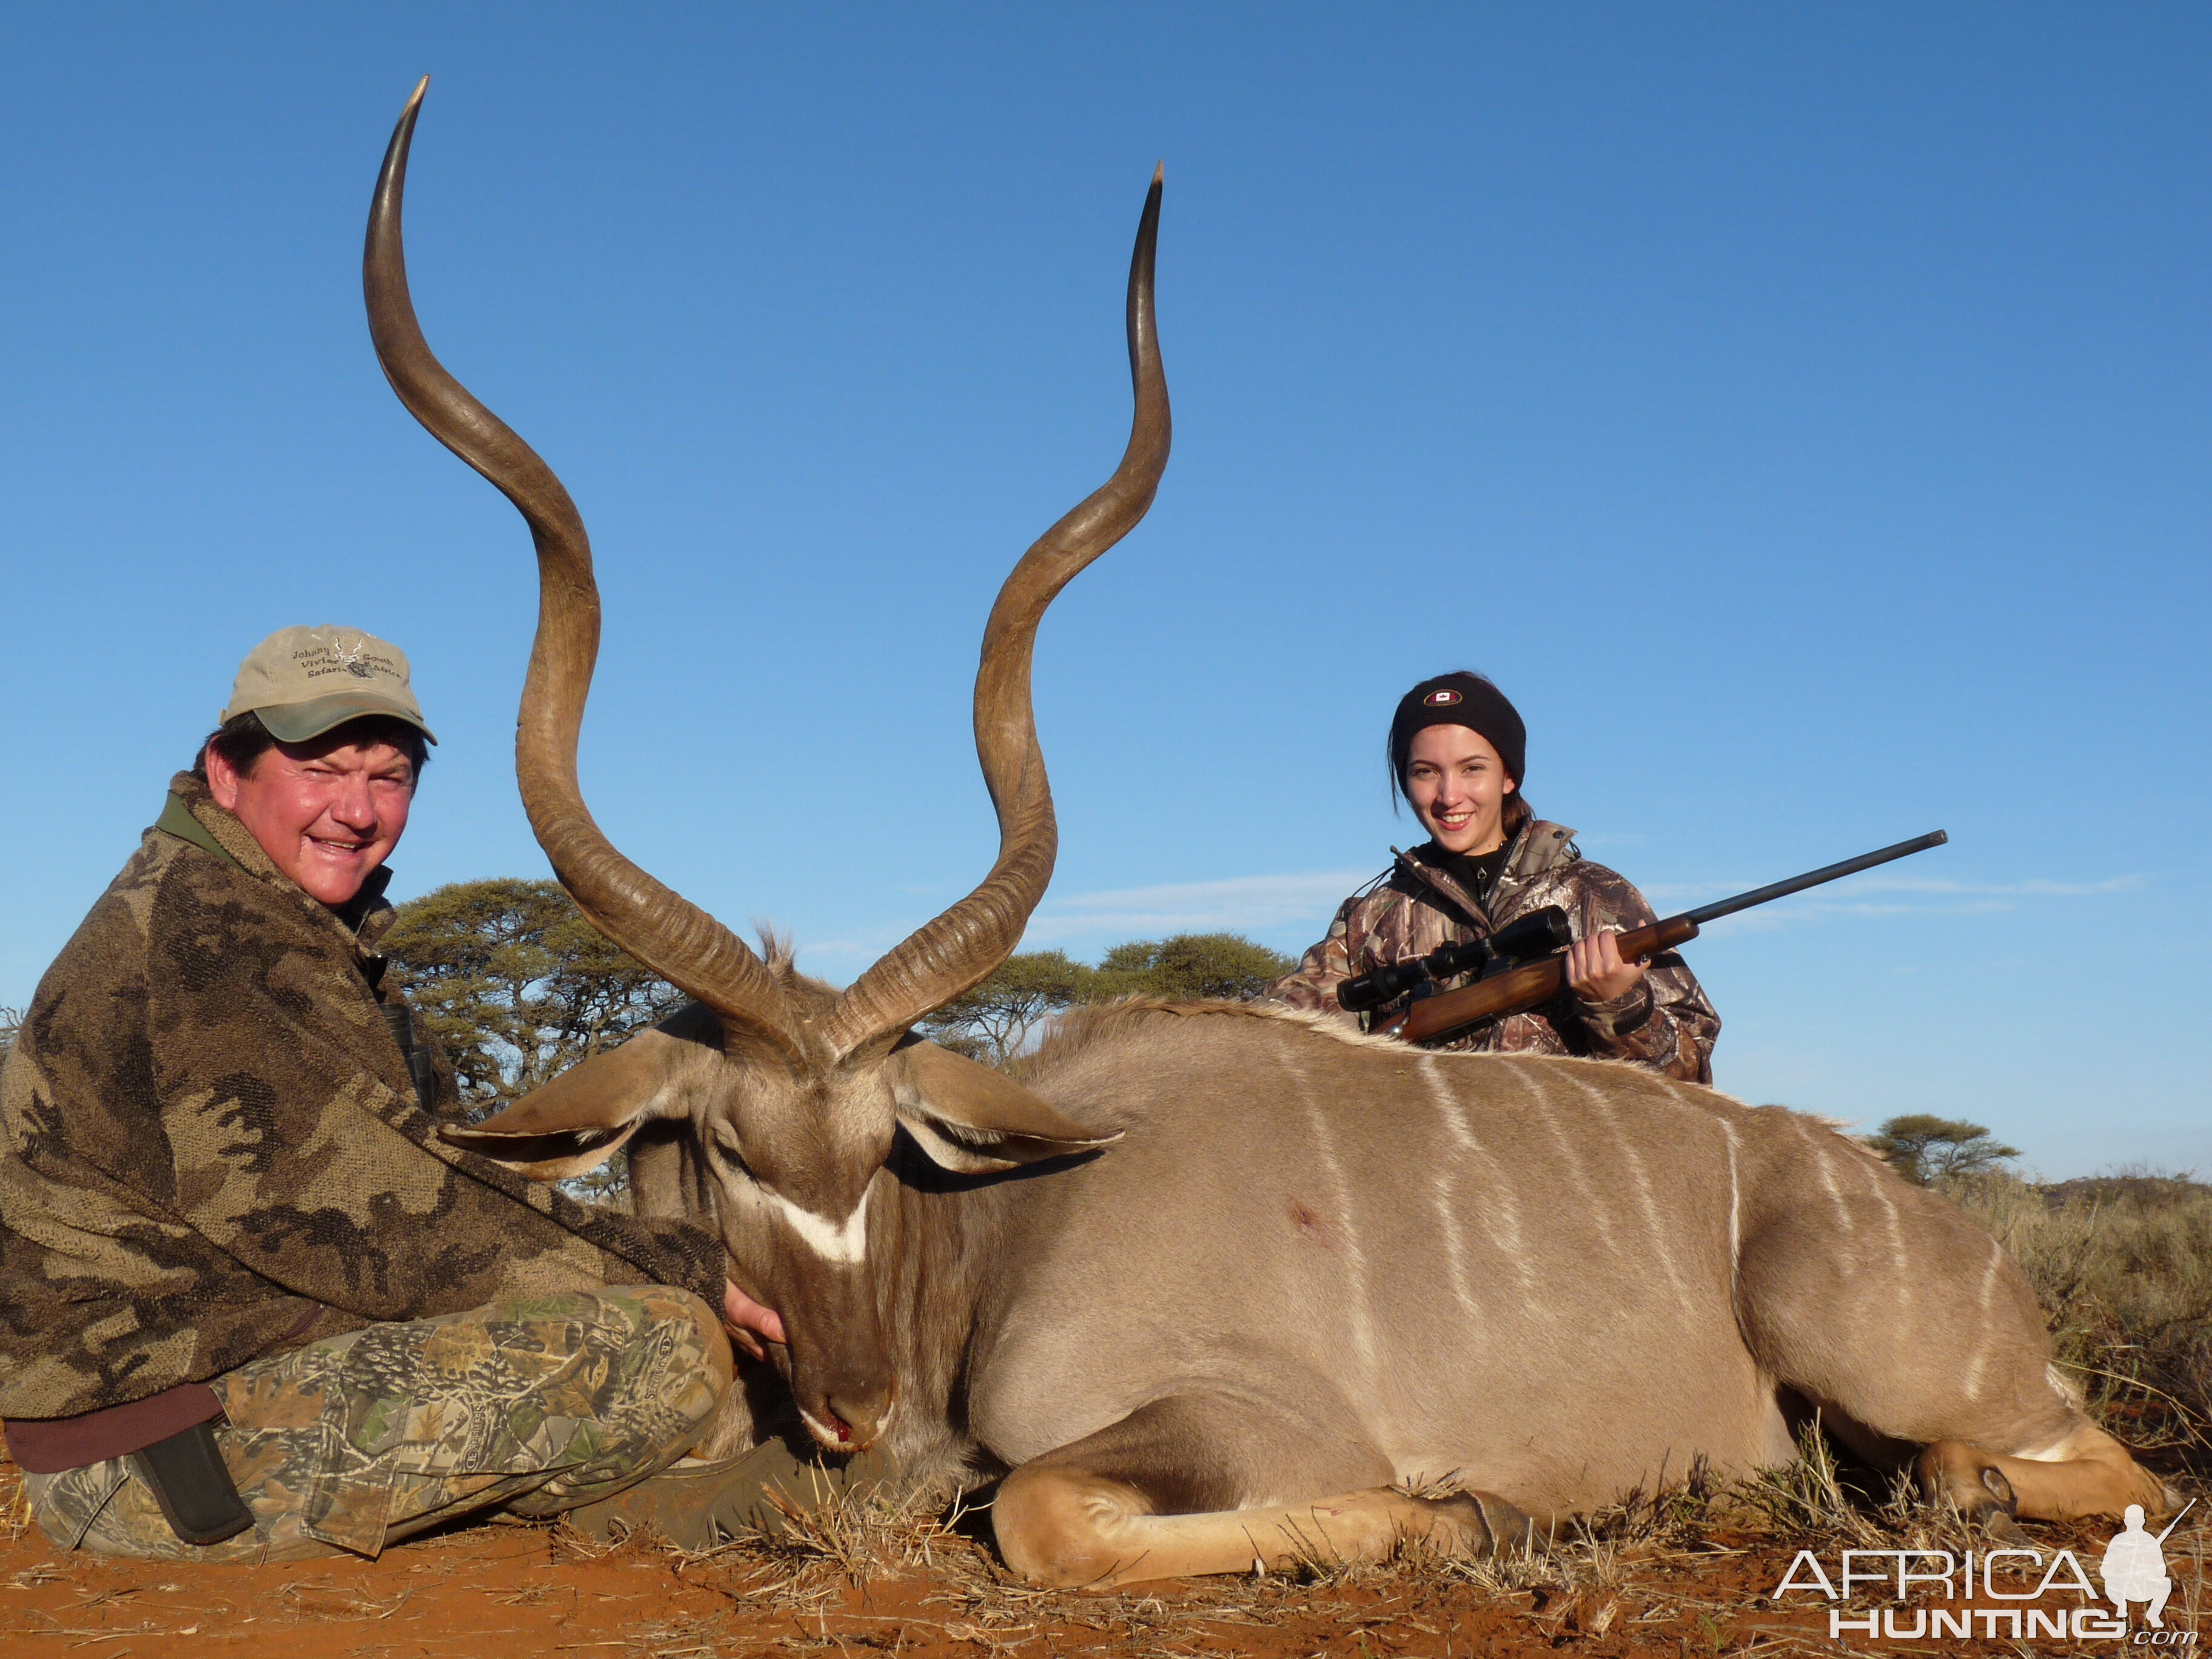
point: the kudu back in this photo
(1215, 1282)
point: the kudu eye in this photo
(724, 1147)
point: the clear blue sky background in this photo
(1802, 412)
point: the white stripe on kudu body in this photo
(1590, 1195)
(1355, 1257)
(1827, 1173)
(1900, 1262)
(842, 1242)
(1446, 1175)
(1497, 1192)
(1655, 1229)
(1736, 1210)
(1985, 1304)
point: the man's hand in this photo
(748, 1322)
(1596, 971)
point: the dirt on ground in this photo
(1686, 1576)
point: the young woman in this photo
(1456, 750)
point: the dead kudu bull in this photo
(1213, 1282)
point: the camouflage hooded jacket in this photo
(211, 1146)
(1414, 908)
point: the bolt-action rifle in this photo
(1525, 964)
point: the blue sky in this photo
(1800, 411)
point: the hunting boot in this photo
(697, 1504)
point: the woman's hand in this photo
(1596, 971)
(748, 1322)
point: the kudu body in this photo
(1214, 1282)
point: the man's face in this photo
(327, 812)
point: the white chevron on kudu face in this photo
(841, 1242)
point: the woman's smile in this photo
(1457, 785)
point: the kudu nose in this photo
(860, 1419)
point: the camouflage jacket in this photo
(212, 1148)
(1414, 908)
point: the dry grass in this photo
(2123, 1267)
(1688, 1568)
(1688, 1563)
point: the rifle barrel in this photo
(1729, 907)
(2176, 1522)
(1531, 982)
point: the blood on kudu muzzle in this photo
(840, 1368)
(753, 1015)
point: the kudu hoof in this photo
(1479, 1523)
(1996, 1515)
(1984, 1498)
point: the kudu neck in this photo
(939, 1238)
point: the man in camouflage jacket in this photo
(222, 1193)
(1416, 907)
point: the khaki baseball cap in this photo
(303, 681)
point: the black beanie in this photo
(1461, 699)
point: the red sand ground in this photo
(488, 1590)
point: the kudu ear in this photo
(582, 1117)
(973, 1120)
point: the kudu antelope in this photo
(1215, 1282)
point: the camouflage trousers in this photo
(534, 1405)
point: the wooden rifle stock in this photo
(1525, 986)
(1536, 983)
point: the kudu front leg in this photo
(1160, 1495)
(2089, 1473)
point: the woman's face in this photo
(1458, 786)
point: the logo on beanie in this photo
(1443, 699)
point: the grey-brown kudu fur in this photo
(1215, 1283)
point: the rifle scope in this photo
(1539, 933)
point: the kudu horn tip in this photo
(420, 87)
(1159, 171)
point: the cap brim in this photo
(296, 722)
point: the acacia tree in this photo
(517, 986)
(1188, 967)
(1925, 1149)
(995, 1020)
